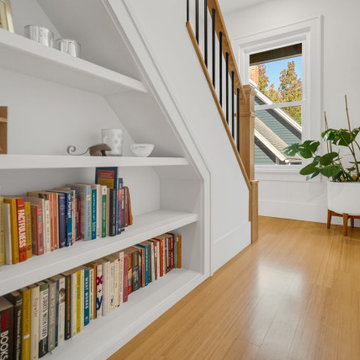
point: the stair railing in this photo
(236, 107)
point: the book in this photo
(26, 323)
(43, 319)
(73, 300)
(125, 282)
(14, 230)
(86, 296)
(6, 328)
(35, 321)
(103, 210)
(110, 284)
(91, 293)
(151, 260)
(98, 209)
(62, 220)
(107, 211)
(15, 298)
(106, 286)
(37, 228)
(28, 230)
(120, 190)
(112, 212)
(2, 231)
(147, 262)
(51, 314)
(78, 219)
(156, 258)
(178, 251)
(7, 234)
(121, 277)
(68, 213)
(99, 288)
(141, 265)
(93, 211)
(78, 300)
(135, 269)
(68, 290)
(128, 255)
(93, 266)
(61, 304)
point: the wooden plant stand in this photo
(345, 217)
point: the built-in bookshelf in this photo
(172, 177)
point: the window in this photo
(276, 76)
(290, 59)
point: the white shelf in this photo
(146, 226)
(25, 56)
(105, 335)
(11, 162)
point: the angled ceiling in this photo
(228, 6)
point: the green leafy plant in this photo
(331, 164)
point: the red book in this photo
(125, 285)
(21, 226)
(172, 252)
(56, 220)
(37, 229)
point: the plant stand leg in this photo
(352, 219)
(345, 222)
(329, 219)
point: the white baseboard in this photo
(230, 244)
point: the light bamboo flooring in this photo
(295, 294)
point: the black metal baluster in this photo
(220, 66)
(238, 119)
(227, 85)
(187, 11)
(206, 33)
(213, 46)
(197, 20)
(232, 106)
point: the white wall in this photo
(173, 51)
(297, 199)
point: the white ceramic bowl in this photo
(142, 150)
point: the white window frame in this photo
(309, 33)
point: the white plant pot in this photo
(344, 197)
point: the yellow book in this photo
(26, 325)
(14, 230)
(78, 301)
(178, 251)
(28, 230)
(2, 231)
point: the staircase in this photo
(234, 101)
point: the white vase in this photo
(113, 138)
(344, 197)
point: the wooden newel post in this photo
(247, 139)
(247, 128)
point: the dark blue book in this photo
(112, 212)
(86, 296)
(119, 189)
(93, 213)
(146, 253)
(69, 219)
(62, 220)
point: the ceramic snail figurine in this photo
(95, 150)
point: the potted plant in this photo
(341, 168)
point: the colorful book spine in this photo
(103, 210)
(37, 229)
(51, 314)
(43, 319)
(14, 230)
(78, 301)
(126, 206)
(146, 264)
(26, 323)
(47, 229)
(2, 231)
(178, 252)
(93, 213)
(172, 261)
(119, 188)
(61, 309)
(91, 293)
(57, 315)
(121, 277)
(7, 229)
(35, 321)
(99, 289)
(56, 219)
(28, 230)
(78, 219)
(69, 218)
(86, 296)
(62, 220)
(112, 215)
(106, 287)
(15, 298)
(135, 271)
(68, 287)
(125, 282)
(6, 329)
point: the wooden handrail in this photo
(219, 107)
(227, 48)
(242, 142)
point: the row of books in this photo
(38, 318)
(44, 221)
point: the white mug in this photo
(113, 138)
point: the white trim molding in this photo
(309, 33)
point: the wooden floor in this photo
(295, 294)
